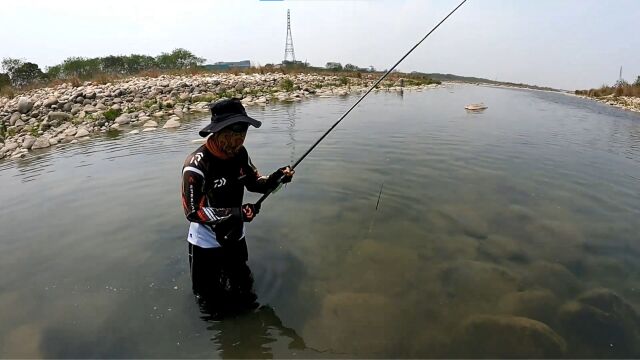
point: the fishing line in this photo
(363, 96)
(373, 218)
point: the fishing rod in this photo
(259, 202)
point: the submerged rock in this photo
(552, 276)
(476, 282)
(507, 337)
(601, 324)
(540, 305)
(345, 318)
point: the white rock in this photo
(123, 119)
(28, 142)
(50, 101)
(115, 126)
(74, 141)
(70, 131)
(171, 124)
(81, 132)
(41, 143)
(14, 117)
(150, 123)
(10, 146)
(134, 132)
(148, 129)
(53, 141)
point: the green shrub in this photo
(112, 114)
(343, 80)
(286, 84)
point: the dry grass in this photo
(625, 90)
(8, 92)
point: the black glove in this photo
(278, 177)
(254, 209)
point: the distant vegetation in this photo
(621, 88)
(19, 74)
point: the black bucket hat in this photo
(226, 112)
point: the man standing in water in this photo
(213, 181)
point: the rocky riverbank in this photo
(624, 102)
(66, 114)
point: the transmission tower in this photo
(288, 49)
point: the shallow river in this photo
(511, 232)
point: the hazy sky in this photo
(561, 43)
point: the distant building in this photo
(333, 65)
(226, 65)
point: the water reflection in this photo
(250, 334)
(222, 283)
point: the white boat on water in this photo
(476, 107)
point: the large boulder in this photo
(488, 336)
(25, 105)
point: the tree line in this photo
(20, 73)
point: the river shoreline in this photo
(622, 102)
(46, 117)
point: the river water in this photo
(511, 232)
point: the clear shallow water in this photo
(512, 231)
